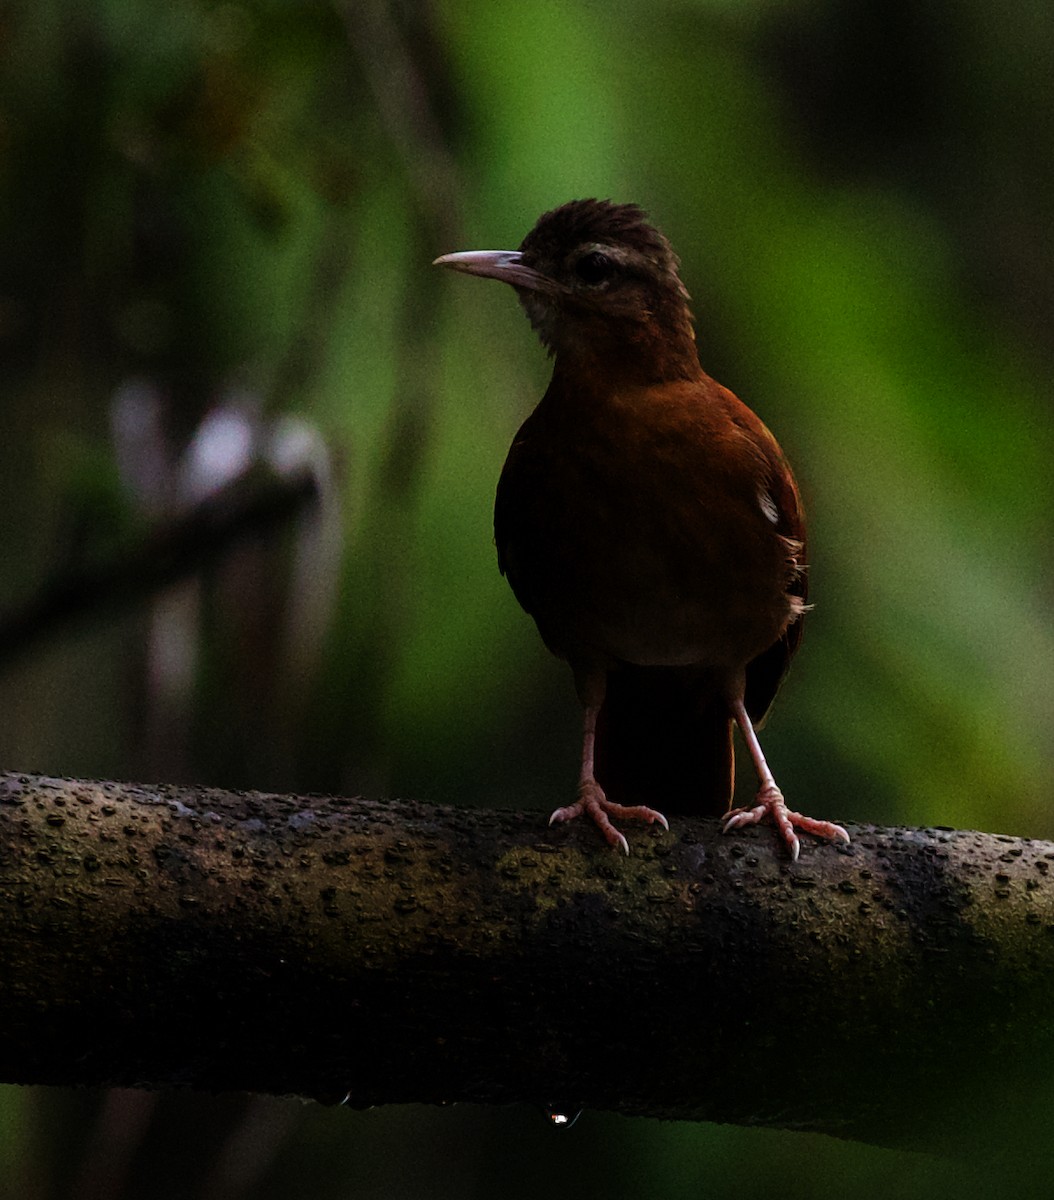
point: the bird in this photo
(650, 524)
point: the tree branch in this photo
(896, 991)
(255, 503)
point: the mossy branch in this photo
(896, 990)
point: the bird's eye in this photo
(594, 267)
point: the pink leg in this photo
(770, 802)
(591, 798)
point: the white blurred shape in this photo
(222, 448)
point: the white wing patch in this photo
(768, 506)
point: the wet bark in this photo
(896, 990)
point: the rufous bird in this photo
(650, 524)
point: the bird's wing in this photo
(522, 480)
(764, 673)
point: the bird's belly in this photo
(712, 593)
(652, 622)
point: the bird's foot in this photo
(591, 800)
(772, 807)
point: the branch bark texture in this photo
(896, 990)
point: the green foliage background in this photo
(237, 204)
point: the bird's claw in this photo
(591, 800)
(772, 807)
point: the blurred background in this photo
(216, 224)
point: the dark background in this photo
(216, 224)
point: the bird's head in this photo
(600, 286)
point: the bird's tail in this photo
(664, 739)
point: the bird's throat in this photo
(610, 359)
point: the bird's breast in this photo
(642, 531)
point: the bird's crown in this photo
(600, 222)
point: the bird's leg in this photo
(770, 803)
(591, 798)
